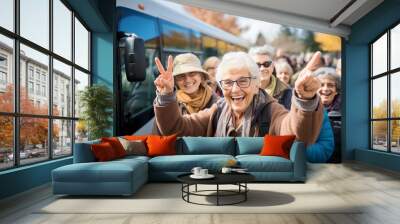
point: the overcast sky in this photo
(270, 30)
(35, 27)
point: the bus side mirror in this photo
(132, 49)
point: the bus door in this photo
(135, 99)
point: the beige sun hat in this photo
(188, 62)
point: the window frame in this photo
(16, 114)
(388, 74)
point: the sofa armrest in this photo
(83, 152)
(298, 157)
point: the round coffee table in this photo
(238, 179)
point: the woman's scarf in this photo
(335, 105)
(195, 103)
(271, 87)
(249, 126)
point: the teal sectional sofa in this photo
(125, 176)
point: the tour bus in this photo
(52, 166)
(165, 31)
(48, 59)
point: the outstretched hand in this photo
(307, 85)
(164, 82)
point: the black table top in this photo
(220, 178)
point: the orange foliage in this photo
(329, 43)
(33, 130)
(217, 19)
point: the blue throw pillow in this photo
(249, 145)
(83, 152)
(208, 145)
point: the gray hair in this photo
(210, 61)
(283, 65)
(238, 59)
(263, 50)
(330, 73)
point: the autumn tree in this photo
(33, 131)
(309, 41)
(328, 43)
(396, 123)
(6, 122)
(288, 41)
(380, 127)
(225, 22)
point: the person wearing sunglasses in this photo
(245, 109)
(272, 85)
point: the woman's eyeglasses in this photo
(242, 82)
(266, 64)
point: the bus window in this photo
(128, 20)
(238, 48)
(209, 46)
(230, 47)
(175, 37)
(196, 41)
(243, 49)
(221, 48)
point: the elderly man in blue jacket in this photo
(323, 148)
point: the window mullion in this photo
(371, 98)
(16, 84)
(388, 95)
(50, 81)
(17, 73)
(73, 82)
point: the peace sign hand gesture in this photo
(307, 84)
(164, 82)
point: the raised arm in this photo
(164, 82)
(306, 114)
(169, 120)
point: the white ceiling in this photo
(314, 15)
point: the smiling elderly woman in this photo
(193, 93)
(330, 88)
(245, 110)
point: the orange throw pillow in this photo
(103, 152)
(136, 137)
(277, 145)
(116, 145)
(161, 145)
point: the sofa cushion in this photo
(133, 147)
(277, 145)
(117, 146)
(161, 145)
(257, 163)
(207, 145)
(131, 158)
(249, 145)
(135, 137)
(111, 171)
(103, 152)
(83, 152)
(185, 163)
